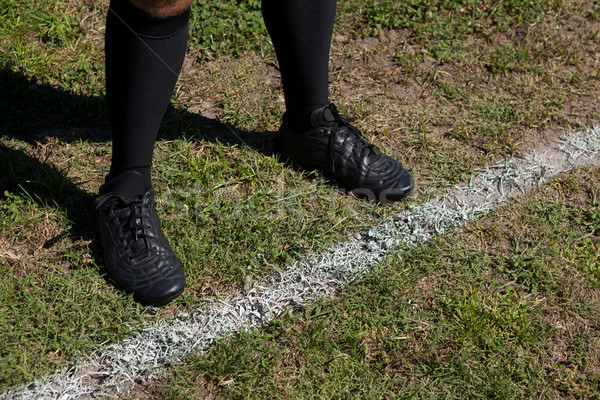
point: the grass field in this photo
(504, 308)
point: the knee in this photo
(162, 8)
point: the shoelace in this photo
(133, 218)
(358, 140)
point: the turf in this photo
(444, 86)
(504, 308)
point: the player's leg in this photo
(313, 133)
(301, 33)
(145, 47)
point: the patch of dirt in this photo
(207, 85)
(431, 283)
(366, 72)
(41, 252)
(148, 390)
(30, 249)
(569, 328)
(158, 387)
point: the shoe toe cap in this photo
(392, 183)
(162, 291)
(403, 187)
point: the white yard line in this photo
(114, 369)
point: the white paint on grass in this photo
(115, 368)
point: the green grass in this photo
(54, 303)
(504, 308)
(236, 26)
(443, 86)
(236, 215)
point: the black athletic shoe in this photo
(339, 149)
(136, 252)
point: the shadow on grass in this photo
(31, 112)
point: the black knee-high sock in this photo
(301, 32)
(144, 56)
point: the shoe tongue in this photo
(127, 184)
(323, 117)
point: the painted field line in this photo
(114, 369)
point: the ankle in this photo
(300, 119)
(128, 182)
